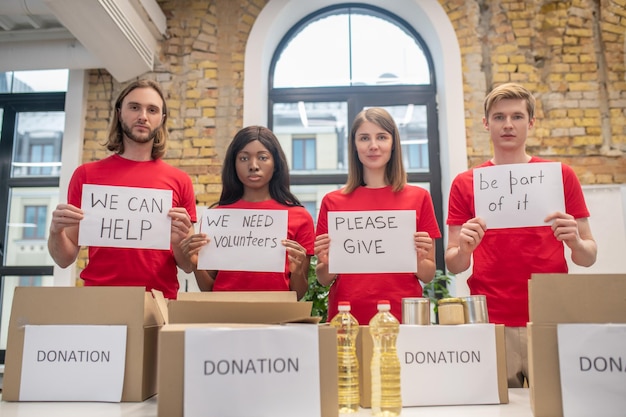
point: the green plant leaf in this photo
(317, 293)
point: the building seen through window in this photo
(32, 107)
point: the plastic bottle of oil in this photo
(385, 366)
(347, 330)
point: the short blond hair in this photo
(510, 91)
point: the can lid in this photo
(452, 300)
(415, 300)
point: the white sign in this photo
(73, 363)
(243, 240)
(448, 365)
(372, 241)
(518, 195)
(592, 362)
(261, 371)
(125, 217)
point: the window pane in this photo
(33, 81)
(413, 127)
(352, 47)
(311, 196)
(384, 54)
(313, 135)
(30, 210)
(7, 288)
(37, 148)
(318, 55)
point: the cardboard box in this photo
(365, 349)
(565, 298)
(130, 306)
(233, 307)
(206, 310)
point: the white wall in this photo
(607, 205)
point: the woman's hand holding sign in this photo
(424, 247)
(191, 245)
(299, 263)
(322, 246)
(296, 255)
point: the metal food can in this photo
(475, 307)
(416, 311)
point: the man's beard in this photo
(128, 131)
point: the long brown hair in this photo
(395, 174)
(115, 142)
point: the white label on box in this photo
(125, 217)
(592, 362)
(448, 365)
(372, 241)
(73, 363)
(518, 195)
(261, 371)
(257, 233)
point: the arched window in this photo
(331, 65)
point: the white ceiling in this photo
(118, 35)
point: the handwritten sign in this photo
(460, 358)
(518, 195)
(277, 367)
(592, 362)
(371, 241)
(125, 217)
(243, 240)
(73, 363)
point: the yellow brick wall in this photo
(561, 50)
(571, 55)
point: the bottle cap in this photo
(384, 305)
(343, 306)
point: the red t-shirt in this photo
(299, 228)
(365, 290)
(149, 268)
(506, 258)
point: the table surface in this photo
(518, 406)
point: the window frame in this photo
(359, 97)
(12, 104)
